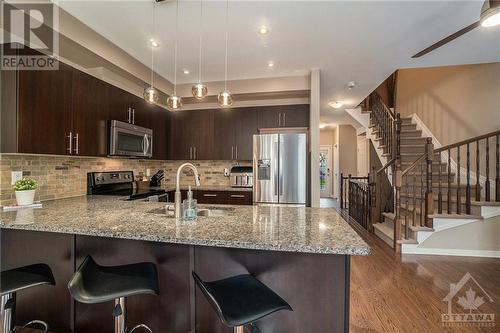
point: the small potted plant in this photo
(25, 191)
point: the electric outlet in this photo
(226, 172)
(15, 176)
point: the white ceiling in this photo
(346, 40)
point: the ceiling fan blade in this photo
(447, 39)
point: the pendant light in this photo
(151, 95)
(200, 90)
(174, 102)
(225, 98)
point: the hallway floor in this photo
(393, 293)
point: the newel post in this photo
(398, 182)
(429, 197)
(341, 190)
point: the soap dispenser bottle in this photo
(189, 210)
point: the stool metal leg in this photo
(8, 308)
(239, 329)
(36, 322)
(120, 318)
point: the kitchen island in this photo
(301, 253)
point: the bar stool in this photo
(241, 300)
(93, 283)
(15, 280)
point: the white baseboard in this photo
(450, 252)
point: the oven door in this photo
(130, 140)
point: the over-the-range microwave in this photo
(130, 140)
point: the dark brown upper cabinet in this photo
(233, 133)
(43, 111)
(90, 115)
(283, 116)
(160, 124)
(192, 135)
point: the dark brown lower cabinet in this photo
(315, 285)
(217, 197)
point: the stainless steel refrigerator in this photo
(280, 168)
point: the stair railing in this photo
(384, 121)
(360, 201)
(434, 170)
(344, 188)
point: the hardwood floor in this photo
(392, 293)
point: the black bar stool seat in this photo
(93, 283)
(14, 280)
(17, 279)
(241, 300)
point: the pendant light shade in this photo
(225, 98)
(490, 13)
(199, 91)
(174, 103)
(151, 95)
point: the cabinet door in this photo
(90, 115)
(240, 198)
(180, 136)
(160, 123)
(245, 126)
(201, 132)
(295, 116)
(268, 116)
(212, 197)
(44, 111)
(119, 104)
(142, 111)
(224, 135)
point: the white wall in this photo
(314, 136)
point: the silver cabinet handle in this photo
(190, 153)
(237, 196)
(129, 111)
(284, 119)
(195, 153)
(70, 137)
(209, 195)
(236, 149)
(232, 152)
(279, 119)
(77, 144)
(133, 116)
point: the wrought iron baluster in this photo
(422, 196)
(497, 167)
(459, 208)
(467, 187)
(448, 193)
(487, 183)
(478, 173)
(440, 193)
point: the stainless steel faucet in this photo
(177, 186)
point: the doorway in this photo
(325, 171)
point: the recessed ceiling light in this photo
(154, 42)
(270, 64)
(185, 71)
(351, 84)
(336, 104)
(263, 30)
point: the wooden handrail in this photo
(464, 142)
(414, 164)
(391, 161)
(360, 182)
(388, 109)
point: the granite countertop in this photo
(271, 227)
(211, 188)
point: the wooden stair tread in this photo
(406, 241)
(385, 229)
(456, 216)
(419, 228)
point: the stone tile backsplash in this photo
(66, 176)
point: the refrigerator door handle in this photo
(276, 170)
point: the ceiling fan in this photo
(489, 17)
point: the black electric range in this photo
(118, 183)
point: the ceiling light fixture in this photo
(153, 42)
(263, 30)
(225, 98)
(270, 64)
(336, 104)
(200, 90)
(151, 95)
(185, 71)
(174, 102)
(351, 85)
(490, 13)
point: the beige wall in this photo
(347, 141)
(66, 176)
(454, 102)
(327, 136)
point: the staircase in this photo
(434, 188)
